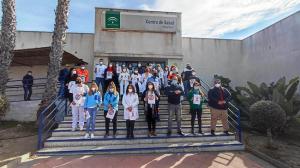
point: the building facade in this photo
(131, 36)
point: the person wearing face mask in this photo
(110, 102)
(93, 101)
(69, 82)
(83, 73)
(165, 77)
(151, 101)
(186, 74)
(191, 80)
(79, 91)
(141, 69)
(173, 72)
(218, 99)
(174, 93)
(130, 102)
(123, 80)
(145, 77)
(63, 74)
(99, 73)
(135, 80)
(109, 75)
(196, 98)
(27, 85)
(155, 80)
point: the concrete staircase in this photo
(65, 142)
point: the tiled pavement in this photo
(200, 160)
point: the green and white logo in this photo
(112, 20)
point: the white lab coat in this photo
(131, 100)
(124, 81)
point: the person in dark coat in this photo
(70, 79)
(27, 85)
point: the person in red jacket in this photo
(83, 73)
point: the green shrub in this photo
(267, 116)
(3, 106)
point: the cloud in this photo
(214, 18)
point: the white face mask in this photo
(111, 90)
(74, 72)
(174, 81)
(110, 65)
(136, 72)
(124, 70)
(129, 90)
(193, 73)
(101, 63)
(82, 67)
(139, 65)
(217, 85)
(93, 89)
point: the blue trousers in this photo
(62, 88)
(100, 81)
(90, 124)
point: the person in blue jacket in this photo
(110, 102)
(93, 100)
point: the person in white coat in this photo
(130, 102)
(79, 90)
(135, 80)
(124, 78)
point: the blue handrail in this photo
(234, 114)
(47, 118)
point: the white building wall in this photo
(213, 56)
(272, 53)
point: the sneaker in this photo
(153, 133)
(106, 135)
(92, 136)
(73, 129)
(86, 136)
(81, 128)
(149, 134)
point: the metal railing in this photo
(234, 114)
(50, 117)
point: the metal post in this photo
(239, 125)
(40, 130)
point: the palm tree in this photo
(7, 40)
(56, 52)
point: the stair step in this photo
(139, 139)
(145, 148)
(142, 123)
(122, 130)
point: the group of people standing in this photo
(118, 82)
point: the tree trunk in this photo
(56, 52)
(7, 41)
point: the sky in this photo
(228, 19)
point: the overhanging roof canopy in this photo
(40, 56)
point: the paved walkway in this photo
(202, 160)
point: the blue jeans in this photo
(62, 88)
(90, 124)
(100, 81)
(186, 88)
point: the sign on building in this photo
(139, 21)
(112, 20)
